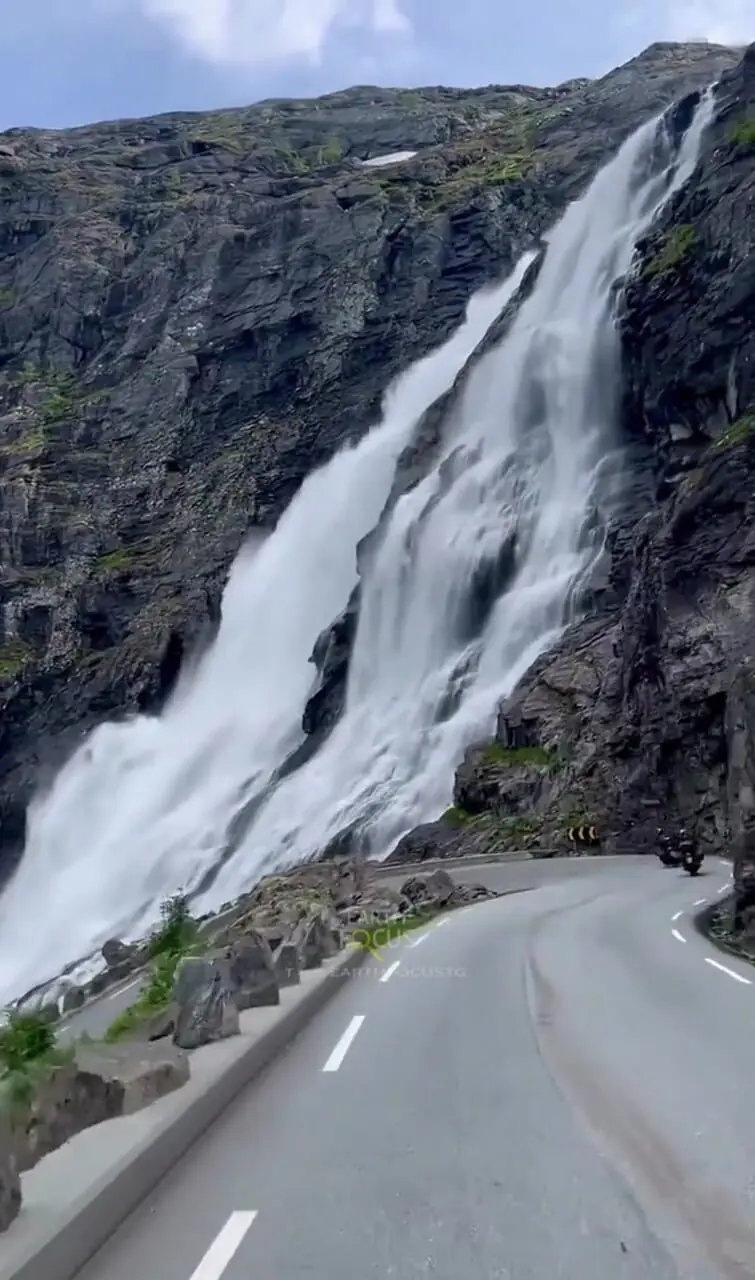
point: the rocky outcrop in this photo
(641, 715)
(740, 796)
(196, 310)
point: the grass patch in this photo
(737, 433)
(513, 757)
(743, 134)
(456, 817)
(677, 245)
(62, 394)
(176, 936)
(113, 561)
(478, 175)
(24, 1037)
(520, 828)
(13, 658)
(330, 152)
(29, 443)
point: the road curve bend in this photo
(555, 1085)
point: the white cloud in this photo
(721, 21)
(254, 32)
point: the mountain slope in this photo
(196, 310)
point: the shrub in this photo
(25, 1038)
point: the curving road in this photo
(553, 1086)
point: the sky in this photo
(69, 62)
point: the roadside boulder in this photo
(205, 1006)
(440, 886)
(313, 941)
(252, 972)
(73, 999)
(116, 953)
(10, 1186)
(145, 1072)
(63, 1101)
(286, 964)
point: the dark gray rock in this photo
(252, 971)
(10, 1187)
(73, 999)
(286, 964)
(740, 794)
(314, 942)
(206, 1009)
(119, 955)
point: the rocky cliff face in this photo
(196, 310)
(643, 714)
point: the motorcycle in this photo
(669, 858)
(692, 862)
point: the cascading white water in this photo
(143, 809)
(144, 806)
(536, 423)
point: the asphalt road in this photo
(552, 1086)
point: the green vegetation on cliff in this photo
(677, 245)
(737, 433)
(743, 133)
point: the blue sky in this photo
(65, 62)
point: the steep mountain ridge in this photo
(196, 310)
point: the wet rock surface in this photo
(195, 311)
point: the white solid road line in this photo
(342, 1048)
(416, 941)
(736, 976)
(676, 934)
(678, 914)
(443, 920)
(390, 971)
(225, 1245)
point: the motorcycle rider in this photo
(687, 847)
(665, 850)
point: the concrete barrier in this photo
(67, 1242)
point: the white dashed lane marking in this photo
(225, 1245)
(676, 934)
(344, 1044)
(390, 971)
